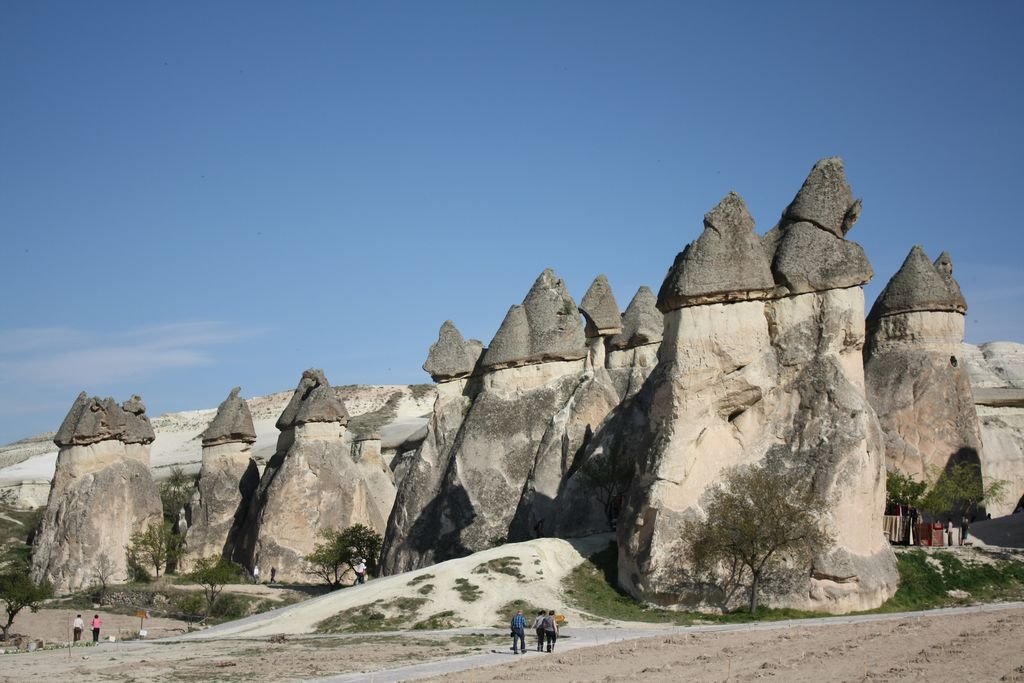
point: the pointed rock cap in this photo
(92, 419)
(917, 286)
(137, 427)
(726, 263)
(642, 323)
(451, 356)
(944, 264)
(826, 199)
(546, 327)
(807, 259)
(600, 309)
(232, 423)
(313, 401)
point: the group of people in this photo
(546, 626)
(79, 627)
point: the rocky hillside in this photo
(398, 412)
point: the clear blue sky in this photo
(199, 195)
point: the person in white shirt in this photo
(79, 626)
(360, 570)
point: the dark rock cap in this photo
(825, 199)
(232, 423)
(451, 356)
(726, 263)
(806, 259)
(92, 419)
(546, 327)
(600, 309)
(642, 323)
(918, 286)
(313, 401)
(944, 264)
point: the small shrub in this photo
(426, 589)
(467, 591)
(438, 621)
(501, 565)
(230, 606)
(420, 578)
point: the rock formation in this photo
(761, 362)
(996, 370)
(227, 481)
(916, 381)
(101, 493)
(501, 439)
(311, 484)
(633, 352)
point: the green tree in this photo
(157, 546)
(757, 517)
(191, 606)
(18, 592)
(903, 489)
(213, 573)
(176, 492)
(331, 559)
(607, 476)
(960, 488)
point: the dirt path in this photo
(962, 644)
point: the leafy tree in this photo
(903, 489)
(103, 570)
(213, 573)
(607, 477)
(18, 592)
(960, 487)
(175, 493)
(157, 546)
(337, 555)
(757, 517)
(191, 606)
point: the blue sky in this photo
(195, 196)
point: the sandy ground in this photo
(949, 647)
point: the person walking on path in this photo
(551, 629)
(256, 574)
(96, 624)
(79, 626)
(273, 574)
(519, 633)
(360, 570)
(538, 626)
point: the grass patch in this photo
(438, 621)
(593, 587)
(377, 616)
(419, 579)
(370, 423)
(468, 592)
(501, 565)
(420, 390)
(926, 580)
(426, 589)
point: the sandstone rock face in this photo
(633, 353)
(451, 356)
(101, 493)
(228, 479)
(409, 540)
(742, 380)
(915, 380)
(311, 484)
(499, 445)
(996, 370)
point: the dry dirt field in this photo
(963, 647)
